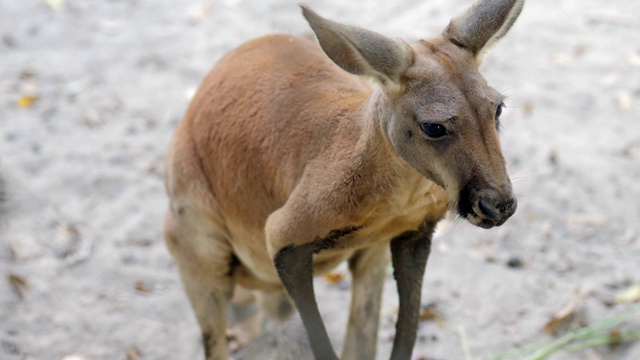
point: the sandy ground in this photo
(84, 271)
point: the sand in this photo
(89, 98)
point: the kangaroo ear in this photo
(360, 51)
(483, 24)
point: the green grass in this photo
(603, 332)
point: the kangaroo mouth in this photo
(485, 208)
(481, 221)
(465, 207)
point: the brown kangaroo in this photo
(294, 157)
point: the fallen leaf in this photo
(334, 278)
(26, 101)
(430, 313)
(615, 335)
(629, 295)
(527, 108)
(142, 287)
(562, 316)
(133, 353)
(19, 284)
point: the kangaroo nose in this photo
(488, 209)
(497, 208)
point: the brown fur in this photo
(281, 148)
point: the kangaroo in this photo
(294, 157)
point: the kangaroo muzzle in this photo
(487, 207)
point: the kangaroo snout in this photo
(494, 209)
(487, 208)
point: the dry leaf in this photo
(427, 314)
(19, 284)
(562, 316)
(629, 295)
(334, 278)
(133, 353)
(527, 108)
(430, 313)
(142, 287)
(26, 101)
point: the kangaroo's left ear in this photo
(360, 51)
(483, 24)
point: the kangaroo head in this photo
(440, 115)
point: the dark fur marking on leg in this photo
(277, 260)
(294, 265)
(409, 254)
(332, 237)
(318, 244)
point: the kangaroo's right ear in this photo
(483, 24)
(360, 51)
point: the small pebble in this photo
(515, 262)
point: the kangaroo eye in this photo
(433, 130)
(499, 110)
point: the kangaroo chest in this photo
(404, 210)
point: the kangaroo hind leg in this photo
(203, 258)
